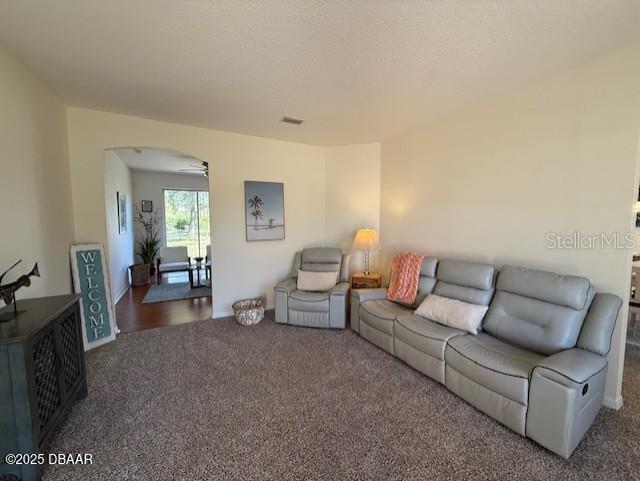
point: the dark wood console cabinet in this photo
(42, 374)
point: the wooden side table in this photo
(197, 268)
(361, 281)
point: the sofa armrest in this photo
(361, 295)
(574, 365)
(369, 294)
(338, 305)
(287, 285)
(599, 324)
(341, 289)
(566, 391)
(282, 290)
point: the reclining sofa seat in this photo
(538, 365)
(314, 309)
(373, 315)
(421, 342)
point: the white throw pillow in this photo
(453, 313)
(316, 281)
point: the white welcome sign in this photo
(90, 280)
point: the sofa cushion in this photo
(173, 254)
(568, 291)
(321, 259)
(465, 281)
(494, 364)
(174, 266)
(316, 281)
(469, 274)
(534, 309)
(452, 313)
(309, 301)
(424, 335)
(380, 314)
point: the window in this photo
(186, 220)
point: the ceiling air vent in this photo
(291, 120)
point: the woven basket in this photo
(249, 312)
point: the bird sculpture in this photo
(8, 291)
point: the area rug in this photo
(174, 292)
(213, 400)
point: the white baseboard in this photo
(612, 403)
(219, 314)
(119, 296)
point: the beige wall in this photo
(241, 269)
(149, 185)
(484, 184)
(352, 186)
(120, 244)
(487, 184)
(35, 197)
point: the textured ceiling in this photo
(356, 71)
(159, 160)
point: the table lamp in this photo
(366, 240)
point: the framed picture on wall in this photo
(122, 212)
(264, 210)
(147, 206)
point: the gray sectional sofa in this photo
(539, 363)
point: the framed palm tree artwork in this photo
(264, 210)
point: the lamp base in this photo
(366, 264)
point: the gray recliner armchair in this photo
(315, 309)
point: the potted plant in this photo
(148, 246)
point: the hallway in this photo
(132, 315)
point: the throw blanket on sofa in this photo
(405, 275)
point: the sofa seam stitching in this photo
(566, 376)
(485, 367)
(375, 315)
(446, 341)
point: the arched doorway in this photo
(158, 236)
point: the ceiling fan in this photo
(202, 168)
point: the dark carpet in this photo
(213, 400)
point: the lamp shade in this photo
(366, 240)
(636, 206)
